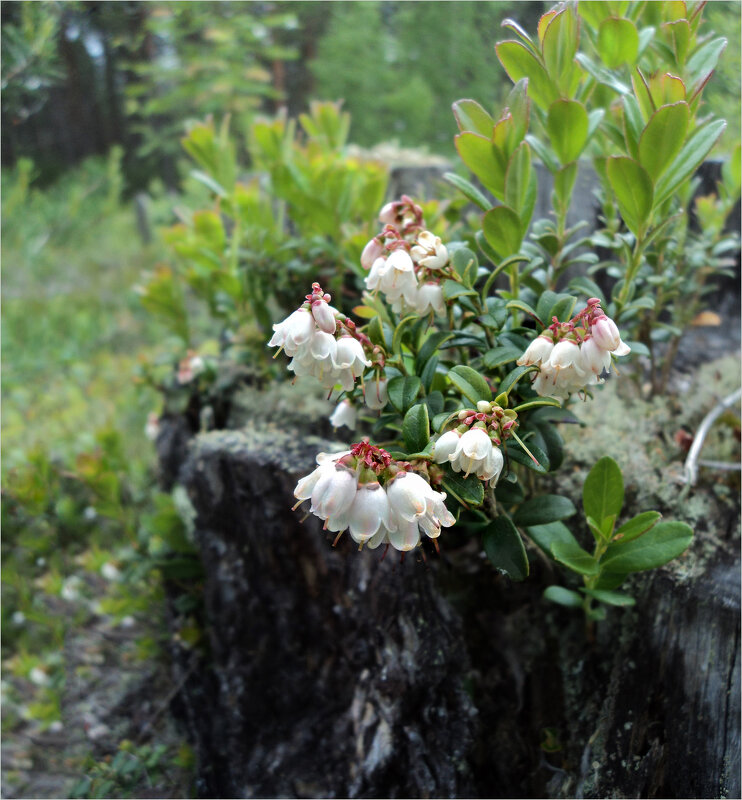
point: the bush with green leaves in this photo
(621, 84)
(463, 356)
(243, 259)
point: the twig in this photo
(692, 462)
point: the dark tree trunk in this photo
(335, 673)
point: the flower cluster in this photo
(474, 446)
(573, 355)
(406, 262)
(378, 500)
(321, 342)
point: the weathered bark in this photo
(334, 673)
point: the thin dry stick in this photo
(691, 462)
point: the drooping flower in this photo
(294, 331)
(414, 502)
(476, 453)
(376, 394)
(537, 351)
(394, 276)
(605, 332)
(346, 414)
(429, 251)
(429, 298)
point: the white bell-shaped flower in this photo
(429, 298)
(472, 452)
(334, 491)
(537, 351)
(412, 499)
(370, 511)
(446, 446)
(345, 413)
(429, 251)
(377, 395)
(293, 332)
(373, 250)
(594, 357)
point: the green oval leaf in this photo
(501, 355)
(430, 346)
(611, 598)
(468, 189)
(562, 596)
(638, 525)
(602, 493)
(399, 332)
(513, 377)
(665, 541)
(504, 548)
(480, 155)
(689, 158)
(544, 509)
(567, 125)
(633, 189)
(502, 230)
(403, 391)
(663, 137)
(470, 383)
(416, 428)
(468, 491)
(470, 116)
(519, 63)
(546, 535)
(575, 558)
(520, 188)
(618, 42)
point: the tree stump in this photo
(334, 673)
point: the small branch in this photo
(692, 462)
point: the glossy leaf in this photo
(468, 189)
(403, 391)
(559, 45)
(665, 541)
(567, 125)
(575, 558)
(520, 189)
(637, 525)
(692, 154)
(504, 548)
(470, 116)
(503, 231)
(416, 428)
(429, 347)
(663, 137)
(470, 383)
(618, 42)
(501, 355)
(544, 509)
(519, 62)
(563, 597)
(547, 535)
(602, 492)
(468, 491)
(480, 155)
(610, 598)
(633, 188)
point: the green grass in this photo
(77, 469)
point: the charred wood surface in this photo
(335, 673)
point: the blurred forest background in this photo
(95, 100)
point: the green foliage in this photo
(394, 64)
(211, 58)
(639, 544)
